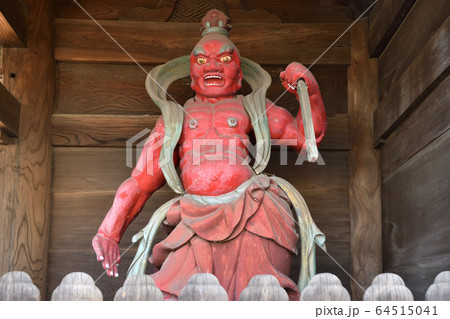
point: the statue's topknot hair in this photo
(215, 21)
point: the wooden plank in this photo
(98, 130)
(430, 120)
(113, 9)
(13, 23)
(384, 19)
(33, 85)
(86, 170)
(119, 89)
(413, 34)
(83, 41)
(416, 218)
(364, 175)
(115, 130)
(310, 11)
(427, 70)
(9, 113)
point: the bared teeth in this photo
(213, 83)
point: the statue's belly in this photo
(213, 173)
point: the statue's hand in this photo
(293, 73)
(108, 253)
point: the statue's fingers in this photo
(98, 251)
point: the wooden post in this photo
(364, 171)
(25, 212)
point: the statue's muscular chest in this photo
(226, 118)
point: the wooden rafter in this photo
(9, 113)
(13, 23)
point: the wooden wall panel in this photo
(413, 34)
(83, 41)
(425, 72)
(416, 209)
(411, 125)
(425, 124)
(384, 20)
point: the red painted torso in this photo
(212, 146)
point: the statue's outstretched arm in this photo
(282, 124)
(130, 198)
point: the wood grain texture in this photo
(119, 89)
(240, 11)
(98, 130)
(440, 289)
(17, 286)
(9, 163)
(416, 219)
(263, 288)
(364, 173)
(139, 288)
(13, 23)
(9, 113)
(430, 120)
(325, 287)
(152, 10)
(384, 19)
(427, 70)
(388, 287)
(115, 130)
(33, 85)
(289, 12)
(77, 286)
(410, 38)
(203, 287)
(83, 41)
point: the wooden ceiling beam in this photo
(9, 113)
(13, 23)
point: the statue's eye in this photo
(225, 59)
(201, 60)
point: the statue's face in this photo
(215, 68)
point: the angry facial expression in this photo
(215, 68)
